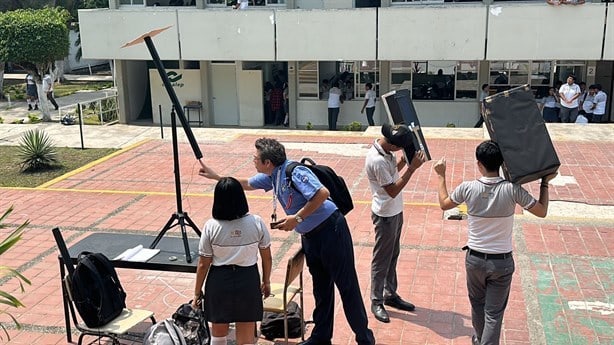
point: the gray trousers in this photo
(488, 285)
(568, 115)
(385, 256)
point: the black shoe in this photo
(400, 304)
(36, 107)
(314, 342)
(29, 107)
(474, 340)
(380, 313)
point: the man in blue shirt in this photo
(325, 238)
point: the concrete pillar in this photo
(200, 4)
(121, 83)
(292, 93)
(384, 86)
(205, 97)
(114, 4)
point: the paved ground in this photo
(563, 291)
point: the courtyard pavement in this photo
(563, 288)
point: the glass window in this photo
(400, 74)
(541, 78)
(308, 79)
(251, 2)
(132, 2)
(507, 74)
(467, 80)
(368, 72)
(433, 80)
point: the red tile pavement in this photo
(133, 192)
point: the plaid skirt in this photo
(232, 294)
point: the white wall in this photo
(105, 31)
(250, 98)
(187, 88)
(326, 34)
(608, 52)
(432, 32)
(538, 31)
(224, 34)
(71, 60)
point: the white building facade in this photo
(442, 51)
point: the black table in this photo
(111, 245)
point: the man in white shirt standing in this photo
(48, 89)
(599, 104)
(334, 103)
(370, 98)
(569, 93)
(241, 5)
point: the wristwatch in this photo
(298, 218)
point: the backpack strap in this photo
(289, 169)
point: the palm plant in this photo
(36, 151)
(5, 297)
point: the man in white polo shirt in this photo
(599, 104)
(569, 93)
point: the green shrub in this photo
(5, 297)
(36, 151)
(309, 126)
(450, 124)
(1, 119)
(354, 126)
(34, 118)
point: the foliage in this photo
(18, 91)
(354, 126)
(6, 244)
(309, 126)
(1, 119)
(450, 124)
(36, 151)
(69, 159)
(34, 118)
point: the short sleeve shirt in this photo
(491, 202)
(234, 242)
(381, 169)
(570, 91)
(370, 97)
(293, 198)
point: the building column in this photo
(200, 4)
(205, 96)
(384, 86)
(114, 4)
(122, 94)
(292, 93)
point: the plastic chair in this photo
(282, 294)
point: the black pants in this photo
(52, 100)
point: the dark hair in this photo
(582, 83)
(229, 201)
(272, 150)
(484, 85)
(369, 85)
(489, 154)
(598, 87)
(325, 81)
(572, 77)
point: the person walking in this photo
(228, 249)
(382, 170)
(489, 263)
(369, 104)
(483, 94)
(31, 93)
(48, 90)
(325, 238)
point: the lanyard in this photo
(277, 190)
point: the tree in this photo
(34, 39)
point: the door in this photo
(224, 95)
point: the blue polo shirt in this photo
(291, 200)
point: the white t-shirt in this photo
(381, 168)
(242, 4)
(491, 202)
(370, 97)
(570, 91)
(47, 83)
(600, 100)
(234, 242)
(587, 104)
(334, 97)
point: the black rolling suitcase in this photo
(514, 121)
(401, 110)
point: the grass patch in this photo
(69, 158)
(18, 91)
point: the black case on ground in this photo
(515, 123)
(401, 110)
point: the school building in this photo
(220, 59)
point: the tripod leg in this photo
(191, 223)
(166, 227)
(184, 235)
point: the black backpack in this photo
(339, 192)
(193, 324)
(96, 290)
(272, 325)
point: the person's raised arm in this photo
(540, 208)
(395, 188)
(207, 172)
(444, 199)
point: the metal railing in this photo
(98, 111)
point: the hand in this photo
(418, 160)
(196, 302)
(207, 172)
(287, 224)
(265, 288)
(362, 110)
(440, 167)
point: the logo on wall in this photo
(175, 79)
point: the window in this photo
(433, 80)
(132, 2)
(308, 80)
(400, 74)
(541, 78)
(251, 2)
(404, 2)
(507, 74)
(368, 72)
(466, 80)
